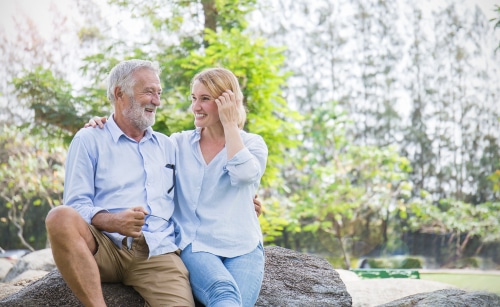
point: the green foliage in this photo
(57, 112)
(274, 220)
(495, 179)
(257, 67)
(463, 221)
(329, 189)
(337, 185)
(378, 263)
(231, 14)
(411, 263)
(398, 262)
(31, 175)
(468, 263)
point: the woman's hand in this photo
(258, 206)
(228, 108)
(96, 121)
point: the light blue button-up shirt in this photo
(108, 171)
(214, 203)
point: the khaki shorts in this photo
(161, 280)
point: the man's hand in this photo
(128, 222)
(258, 205)
(96, 121)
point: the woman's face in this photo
(203, 105)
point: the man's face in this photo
(139, 109)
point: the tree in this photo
(52, 101)
(184, 38)
(41, 73)
(497, 23)
(31, 174)
(463, 222)
(342, 189)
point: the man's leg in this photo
(161, 280)
(73, 246)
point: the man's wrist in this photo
(101, 219)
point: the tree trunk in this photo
(210, 13)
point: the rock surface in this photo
(291, 279)
(41, 260)
(374, 292)
(5, 266)
(448, 298)
(295, 279)
(51, 290)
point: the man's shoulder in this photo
(90, 133)
(162, 138)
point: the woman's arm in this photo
(96, 121)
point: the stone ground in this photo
(373, 292)
(364, 292)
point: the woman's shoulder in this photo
(251, 137)
(182, 135)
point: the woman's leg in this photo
(211, 282)
(248, 271)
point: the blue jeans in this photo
(223, 282)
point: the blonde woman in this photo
(219, 168)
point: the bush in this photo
(411, 263)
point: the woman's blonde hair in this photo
(217, 81)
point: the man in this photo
(116, 223)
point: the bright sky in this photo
(39, 10)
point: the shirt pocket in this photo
(168, 179)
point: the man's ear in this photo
(118, 92)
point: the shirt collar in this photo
(116, 132)
(196, 135)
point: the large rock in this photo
(448, 298)
(51, 290)
(41, 260)
(295, 279)
(290, 279)
(5, 266)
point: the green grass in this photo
(475, 282)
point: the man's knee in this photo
(59, 217)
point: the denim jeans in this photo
(223, 282)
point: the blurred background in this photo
(382, 118)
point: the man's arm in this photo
(79, 192)
(128, 222)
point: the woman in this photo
(218, 169)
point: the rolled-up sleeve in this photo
(78, 183)
(249, 164)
